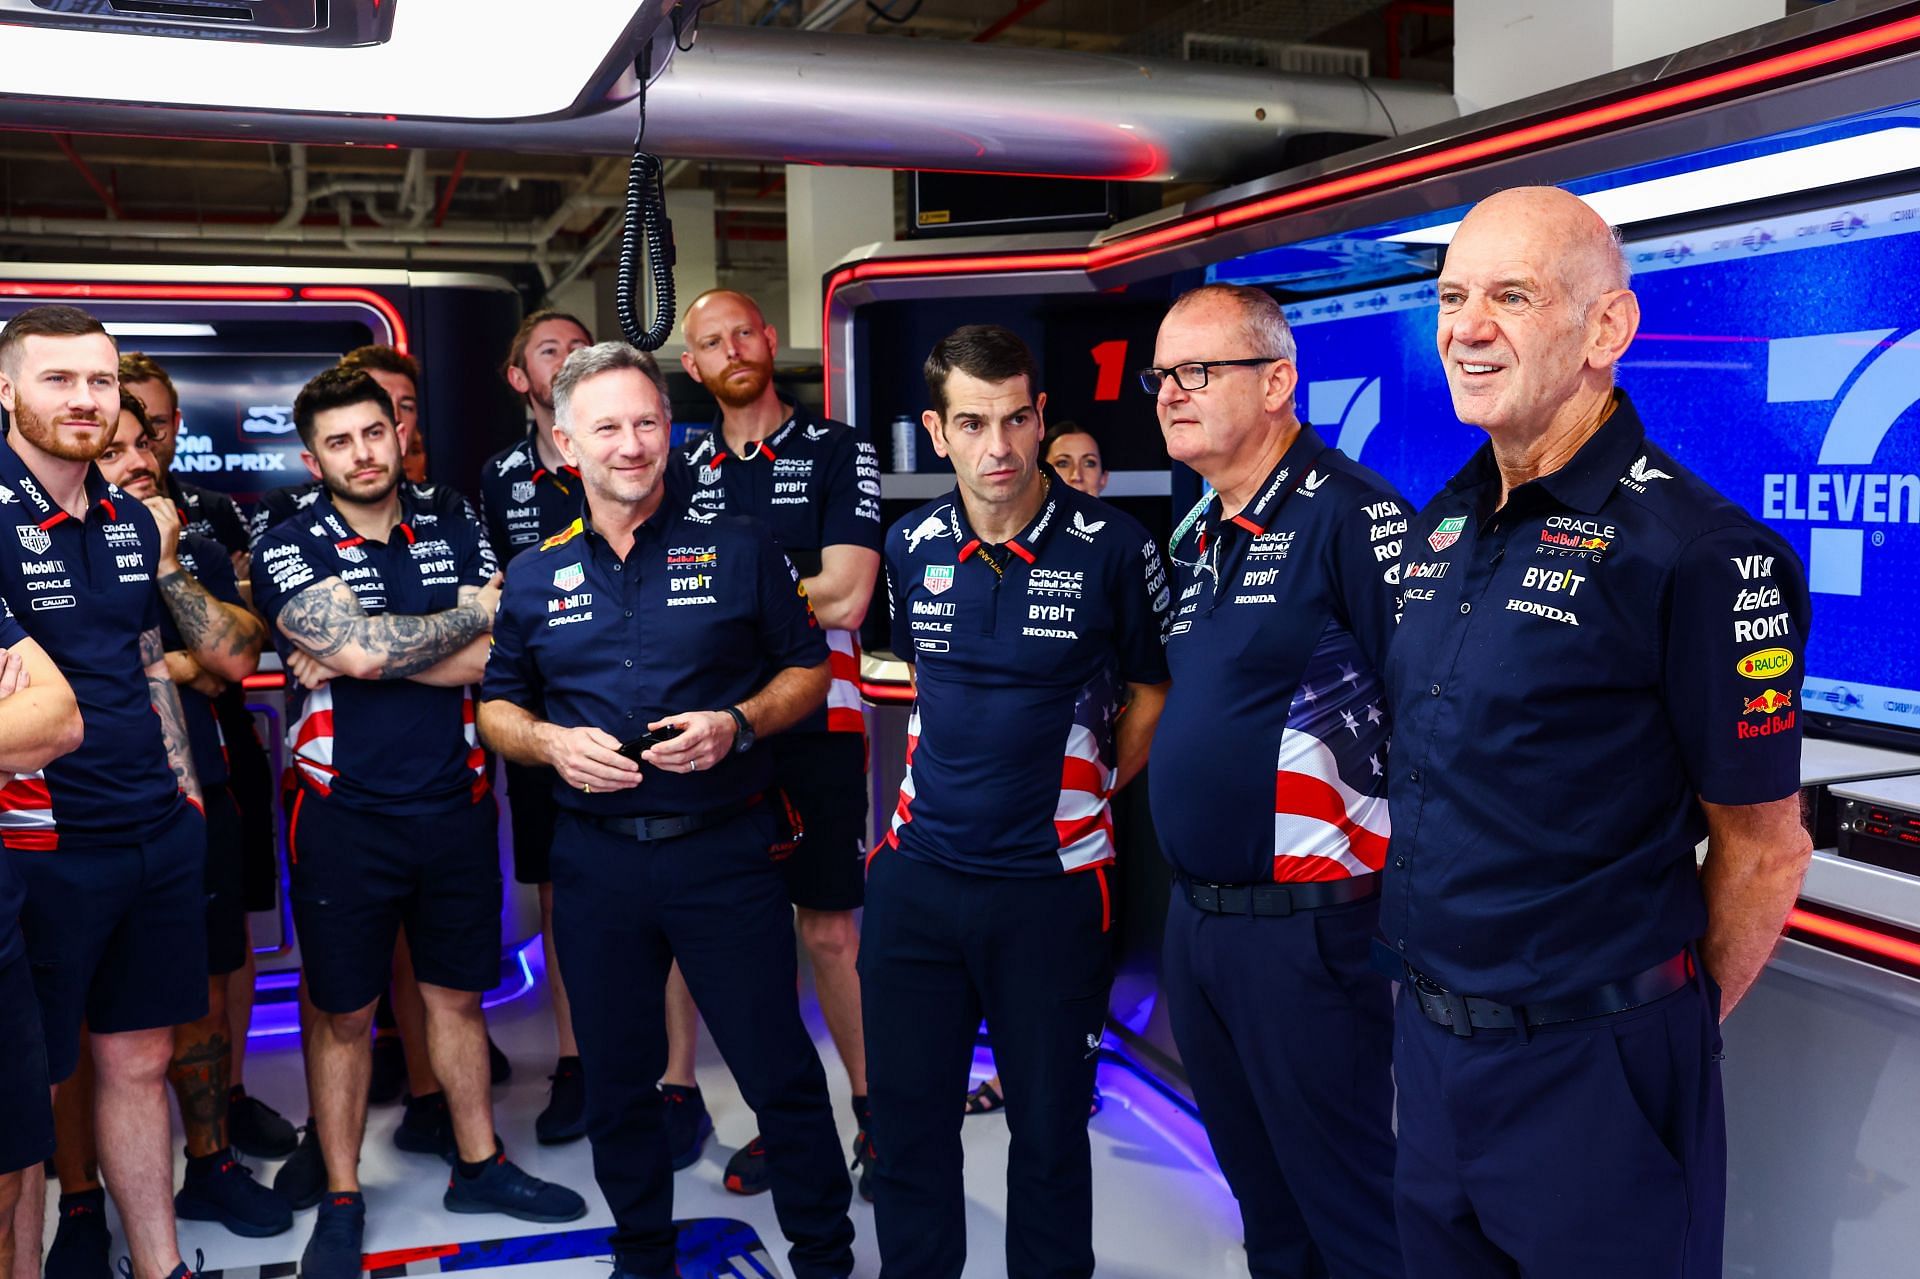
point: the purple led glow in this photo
(275, 1018)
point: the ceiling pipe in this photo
(810, 97)
(297, 196)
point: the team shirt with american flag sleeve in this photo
(386, 746)
(13, 893)
(1270, 761)
(1010, 750)
(814, 483)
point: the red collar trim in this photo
(1020, 550)
(1249, 525)
(968, 549)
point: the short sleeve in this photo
(1365, 555)
(477, 562)
(789, 635)
(1735, 653)
(1142, 607)
(282, 568)
(851, 495)
(274, 507)
(11, 632)
(213, 570)
(223, 517)
(895, 569)
(512, 675)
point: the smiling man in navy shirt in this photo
(1599, 665)
(1025, 607)
(380, 608)
(1286, 603)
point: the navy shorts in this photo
(27, 1135)
(250, 778)
(359, 877)
(825, 777)
(226, 884)
(117, 934)
(532, 811)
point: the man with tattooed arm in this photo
(381, 609)
(108, 839)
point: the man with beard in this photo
(381, 610)
(816, 487)
(257, 1129)
(213, 641)
(638, 653)
(109, 839)
(528, 493)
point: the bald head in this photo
(716, 300)
(1583, 249)
(730, 349)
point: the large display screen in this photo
(1778, 359)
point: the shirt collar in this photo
(15, 473)
(712, 450)
(324, 510)
(533, 457)
(1587, 479)
(1259, 513)
(674, 502)
(1027, 543)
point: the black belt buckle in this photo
(1433, 995)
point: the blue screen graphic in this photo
(1779, 360)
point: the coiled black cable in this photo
(646, 215)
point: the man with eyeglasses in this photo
(1286, 584)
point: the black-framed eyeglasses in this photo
(1192, 376)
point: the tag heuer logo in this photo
(938, 578)
(709, 474)
(1447, 532)
(352, 554)
(523, 491)
(37, 539)
(570, 578)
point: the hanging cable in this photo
(646, 216)
(885, 16)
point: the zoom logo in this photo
(1874, 379)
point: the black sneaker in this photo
(498, 1067)
(81, 1242)
(180, 1271)
(257, 1129)
(339, 1233)
(565, 1118)
(222, 1189)
(427, 1127)
(688, 1124)
(303, 1178)
(505, 1188)
(747, 1170)
(864, 1158)
(389, 1080)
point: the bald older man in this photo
(1598, 666)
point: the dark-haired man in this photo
(381, 610)
(1024, 607)
(109, 838)
(528, 493)
(815, 484)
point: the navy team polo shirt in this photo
(208, 513)
(387, 746)
(1572, 673)
(206, 562)
(1270, 761)
(13, 893)
(83, 587)
(1010, 747)
(522, 503)
(701, 613)
(815, 483)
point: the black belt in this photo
(1279, 899)
(1467, 1013)
(647, 829)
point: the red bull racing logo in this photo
(1767, 703)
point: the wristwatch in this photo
(743, 739)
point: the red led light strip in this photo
(1897, 949)
(389, 314)
(1466, 153)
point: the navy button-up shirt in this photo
(206, 562)
(815, 483)
(83, 587)
(522, 503)
(13, 893)
(1010, 754)
(1575, 671)
(1270, 761)
(390, 746)
(701, 613)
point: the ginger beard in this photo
(54, 437)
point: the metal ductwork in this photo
(775, 97)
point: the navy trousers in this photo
(1594, 1150)
(937, 950)
(1286, 1034)
(623, 912)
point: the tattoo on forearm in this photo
(207, 625)
(197, 1073)
(151, 649)
(173, 730)
(326, 621)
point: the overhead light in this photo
(145, 330)
(471, 60)
(1824, 164)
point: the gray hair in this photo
(1263, 325)
(592, 361)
